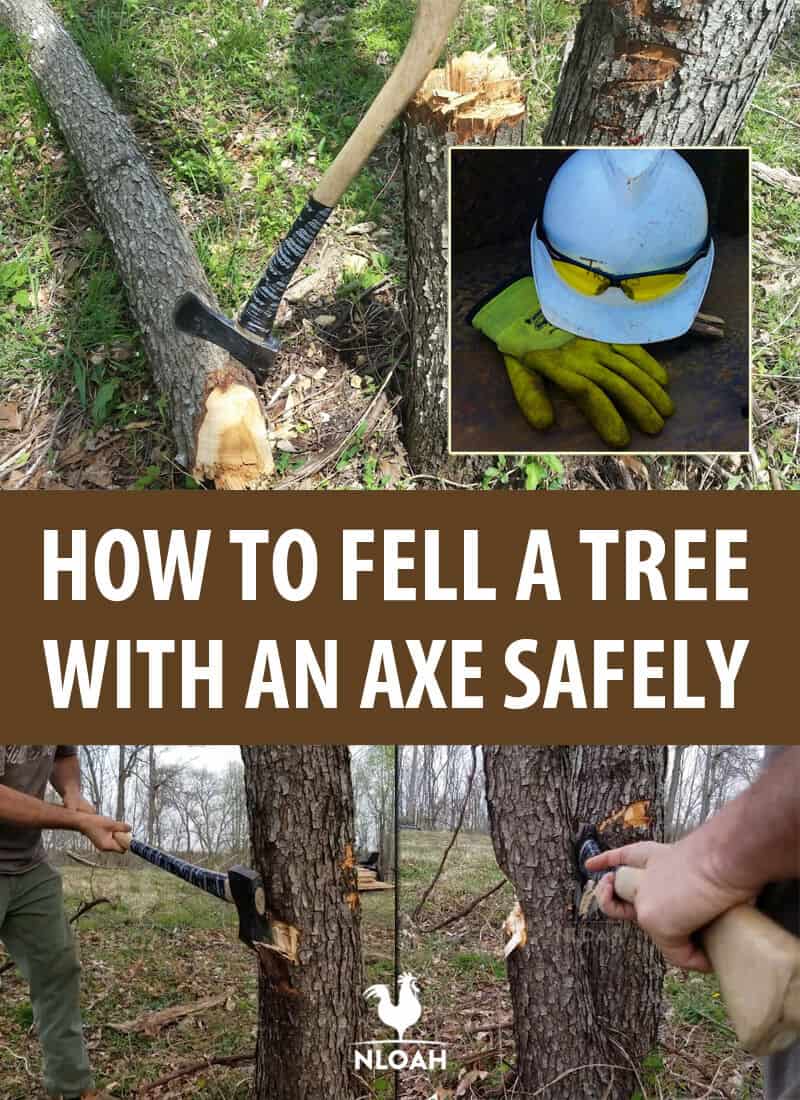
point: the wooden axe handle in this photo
(758, 966)
(428, 36)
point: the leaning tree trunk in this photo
(475, 100)
(300, 805)
(214, 405)
(586, 992)
(664, 72)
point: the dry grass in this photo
(160, 943)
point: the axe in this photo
(250, 340)
(756, 961)
(240, 886)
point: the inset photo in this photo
(599, 300)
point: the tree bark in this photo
(663, 72)
(585, 993)
(475, 100)
(122, 778)
(216, 413)
(300, 805)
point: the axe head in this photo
(587, 845)
(194, 317)
(247, 891)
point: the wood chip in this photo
(10, 417)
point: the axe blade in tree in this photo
(240, 886)
(250, 341)
(756, 961)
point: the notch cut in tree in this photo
(300, 807)
(603, 977)
(214, 406)
(663, 72)
(476, 99)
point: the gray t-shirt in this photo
(26, 768)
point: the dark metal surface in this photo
(708, 377)
(253, 924)
(194, 317)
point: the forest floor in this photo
(161, 943)
(467, 1005)
(240, 105)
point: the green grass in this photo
(241, 108)
(776, 288)
(160, 943)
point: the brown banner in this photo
(675, 639)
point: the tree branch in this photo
(466, 911)
(198, 1067)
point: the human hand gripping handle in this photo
(105, 833)
(756, 961)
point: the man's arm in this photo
(28, 812)
(66, 780)
(753, 840)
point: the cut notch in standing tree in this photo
(476, 99)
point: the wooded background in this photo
(432, 782)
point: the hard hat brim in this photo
(612, 317)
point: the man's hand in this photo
(680, 892)
(100, 830)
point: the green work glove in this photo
(602, 379)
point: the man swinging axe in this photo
(683, 894)
(33, 925)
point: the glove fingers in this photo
(646, 418)
(638, 378)
(643, 359)
(590, 399)
(531, 395)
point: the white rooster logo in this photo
(406, 1012)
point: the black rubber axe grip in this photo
(213, 882)
(258, 316)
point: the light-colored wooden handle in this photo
(124, 840)
(757, 963)
(431, 26)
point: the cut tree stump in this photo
(215, 408)
(476, 99)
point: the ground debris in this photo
(150, 1023)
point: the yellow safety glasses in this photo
(640, 287)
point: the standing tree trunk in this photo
(670, 824)
(475, 100)
(664, 72)
(300, 805)
(152, 791)
(214, 406)
(586, 993)
(122, 778)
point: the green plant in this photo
(535, 471)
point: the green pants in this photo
(34, 929)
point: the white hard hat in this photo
(623, 212)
